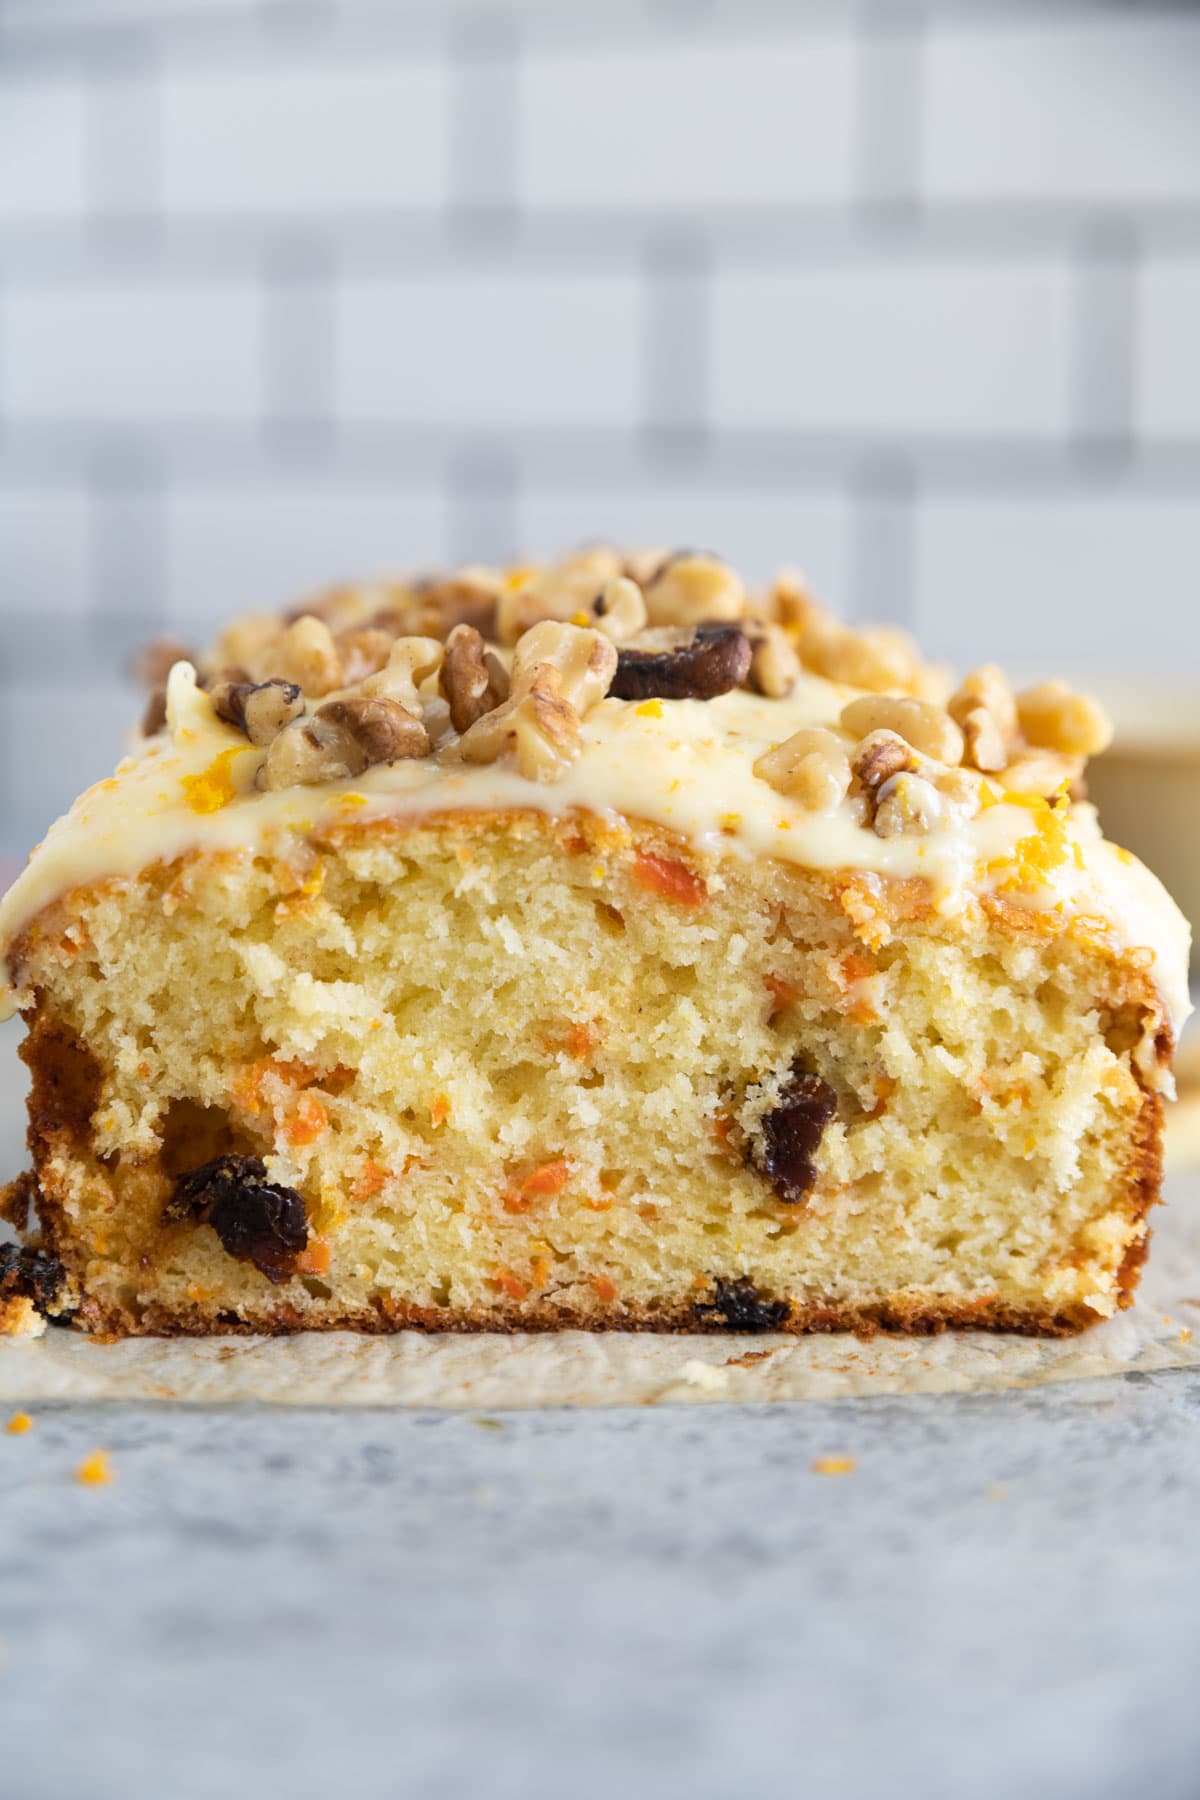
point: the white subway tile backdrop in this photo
(903, 291)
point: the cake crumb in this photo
(834, 1465)
(21, 1423)
(95, 1470)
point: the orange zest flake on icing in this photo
(671, 880)
(581, 619)
(350, 802)
(649, 709)
(518, 576)
(1042, 850)
(439, 1109)
(315, 1259)
(214, 787)
(604, 1287)
(308, 1122)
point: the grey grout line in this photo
(676, 343)
(297, 343)
(882, 571)
(1104, 336)
(128, 539)
(887, 113)
(483, 491)
(484, 128)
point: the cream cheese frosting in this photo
(685, 765)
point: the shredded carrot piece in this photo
(539, 1269)
(439, 1108)
(782, 992)
(548, 1178)
(371, 1179)
(505, 1282)
(314, 1260)
(309, 1121)
(604, 1287)
(672, 880)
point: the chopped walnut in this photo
(878, 757)
(586, 660)
(259, 709)
(790, 603)
(986, 687)
(472, 677)
(691, 588)
(774, 665)
(873, 659)
(560, 591)
(411, 661)
(811, 766)
(1054, 718)
(362, 652)
(927, 728)
(154, 719)
(907, 803)
(536, 723)
(619, 611)
(308, 656)
(983, 741)
(251, 644)
(343, 738)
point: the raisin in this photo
(30, 1275)
(791, 1134)
(258, 1221)
(705, 661)
(738, 1306)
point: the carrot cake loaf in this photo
(595, 944)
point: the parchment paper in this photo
(617, 1369)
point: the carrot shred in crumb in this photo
(782, 992)
(314, 1260)
(672, 880)
(505, 1282)
(539, 1269)
(371, 1179)
(605, 1288)
(439, 1108)
(548, 1178)
(309, 1121)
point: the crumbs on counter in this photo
(95, 1470)
(834, 1465)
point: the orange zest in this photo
(214, 787)
(671, 880)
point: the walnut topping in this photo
(875, 659)
(586, 660)
(878, 757)
(259, 709)
(343, 738)
(811, 766)
(559, 591)
(535, 723)
(907, 803)
(363, 652)
(986, 687)
(619, 611)
(1054, 718)
(983, 743)
(774, 667)
(927, 728)
(472, 677)
(691, 588)
(308, 656)
(411, 661)
(1044, 772)
(154, 719)
(694, 664)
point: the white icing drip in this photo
(686, 765)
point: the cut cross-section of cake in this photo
(593, 945)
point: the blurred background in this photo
(906, 292)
